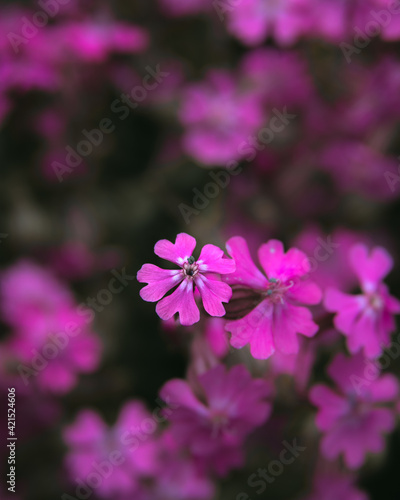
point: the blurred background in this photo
(123, 123)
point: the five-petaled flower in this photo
(366, 319)
(353, 416)
(269, 315)
(216, 412)
(201, 274)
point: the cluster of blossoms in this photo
(267, 311)
(290, 109)
(138, 456)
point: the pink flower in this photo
(383, 14)
(252, 21)
(366, 319)
(35, 291)
(180, 476)
(201, 275)
(56, 355)
(299, 365)
(127, 449)
(332, 486)
(52, 341)
(267, 308)
(328, 255)
(214, 419)
(95, 41)
(271, 73)
(352, 417)
(358, 168)
(218, 116)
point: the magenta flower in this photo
(252, 21)
(333, 485)
(121, 456)
(180, 475)
(352, 417)
(267, 308)
(213, 419)
(96, 41)
(218, 115)
(52, 341)
(359, 168)
(29, 294)
(56, 355)
(201, 275)
(366, 319)
(329, 255)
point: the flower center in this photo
(190, 268)
(276, 290)
(219, 421)
(375, 301)
(357, 408)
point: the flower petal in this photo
(306, 292)
(180, 301)
(288, 321)
(364, 334)
(370, 269)
(384, 389)
(279, 265)
(160, 281)
(212, 259)
(213, 292)
(247, 273)
(178, 394)
(177, 252)
(255, 328)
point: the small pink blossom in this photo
(268, 307)
(328, 254)
(214, 419)
(358, 168)
(201, 275)
(252, 21)
(218, 116)
(180, 475)
(366, 319)
(352, 417)
(271, 73)
(333, 485)
(129, 443)
(52, 341)
(95, 41)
